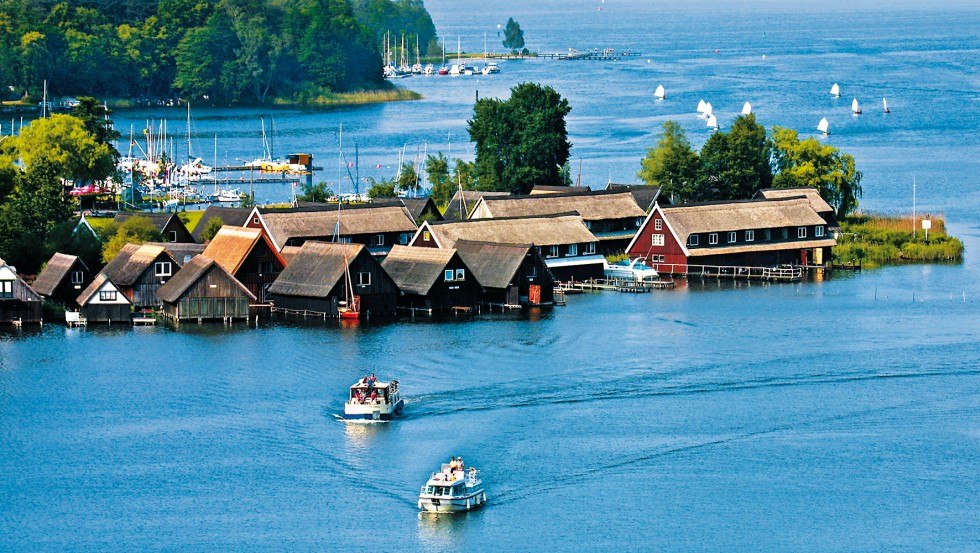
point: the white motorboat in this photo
(372, 400)
(226, 196)
(454, 70)
(631, 270)
(454, 489)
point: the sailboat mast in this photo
(188, 130)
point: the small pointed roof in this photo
(54, 272)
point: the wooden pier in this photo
(616, 285)
(594, 54)
(734, 272)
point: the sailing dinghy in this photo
(855, 107)
(702, 105)
(712, 121)
(884, 104)
(660, 93)
(747, 109)
(835, 91)
(824, 126)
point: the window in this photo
(162, 269)
(403, 238)
(379, 240)
(692, 240)
(107, 295)
(588, 225)
(589, 248)
(449, 275)
(532, 272)
(572, 249)
(173, 236)
(750, 236)
(657, 240)
(658, 224)
(801, 232)
(77, 277)
(785, 233)
(639, 223)
(553, 251)
(460, 274)
(818, 231)
(364, 279)
(768, 235)
(732, 237)
(713, 238)
(255, 221)
(6, 289)
(426, 236)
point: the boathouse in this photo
(568, 247)
(314, 281)
(376, 227)
(63, 279)
(646, 196)
(19, 303)
(752, 233)
(171, 228)
(613, 217)
(139, 271)
(812, 195)
(511, 274)
(230, 216)
(463, 202)
(203, 290)
(248, 254)
(544, 189)
(432, 279)
(182, 252)
(103, 302)
(422, 209)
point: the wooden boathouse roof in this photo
(54, 273)
(315, 269)
(592, 206)
(493, 265)
(190, 273)
(126, 268)
(551, 230)
(415, 270)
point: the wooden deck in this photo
(616, 285)
(734, 272)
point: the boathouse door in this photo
(512, 296)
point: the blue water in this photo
(838, 415)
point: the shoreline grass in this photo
(877, 240)
(356, 98)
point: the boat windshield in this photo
(642, 266)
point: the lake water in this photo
(836, 415)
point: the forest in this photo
(219, 51)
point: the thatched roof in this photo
(644, 195)
(541, 189)
(811, 194)
(320, 224)
(189, 274)
(96, 285)
(470, 197)
(181, 252)
(493, 265)
(762, 247)
(740, 215)
(540, 231)
(232, 216)
(592, 206)
(54, 273)
(315, 270)
(132, 261)
(289, 252)
(418, 206)
(159, 220)
(231, 246)
(415, 270)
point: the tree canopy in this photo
(62, 144)
(521, 142)
(821, 166)
(513, 35)
(672, 164)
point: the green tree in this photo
(513, 35)
(318, 192)
(95, 119)
(408, 178)
(383, 188)
(37, 206)
(808, 163)
(672, 164)
(437, 167)
(521, 142)
(67, 238)
(63, 144)
(203, 56)
(135, 230)
(464, 175)
(211, 229)
(749, 168)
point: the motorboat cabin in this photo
(373, 400)
(630, 270)
(454, 489)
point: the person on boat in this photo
(372, 379)
(374, 396)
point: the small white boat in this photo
(454, 70)
(824, 126)
(855, 107)
(373, 400)
(226, 196)
(746, 108)
(632, 270)
(835, 91)
(712, 122)
(702, 105)
(454, 489)
(660, 93)
(884, 105)
(429, 70)
(491, 68)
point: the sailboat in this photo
(746, 109)
(443, 70)
(702, 105)
(350, 308)
(855, 107)
(660, 93)
(835, 91)
(824, 126)
(712, 121)
(708, 109)
(884, 104)
(417, 69)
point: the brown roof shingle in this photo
(231, 246)
(315, 269)
(320, 224)
(189, 274)
(54, 273)
(740, 215)
(415, 270)
(493, 265)
(540, 231)
(132, 260)
(595, 206)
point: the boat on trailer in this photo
(454, 489)
(372, 400)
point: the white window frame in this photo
(750, 236)
(364, 278)
(532, 271)
(588, 224)
(693, 240)
(77, 277)
(553, 251)
(572, 250)
(6, 289)
(713, 238)
(449, 275)
(657, 240)
(460, 274)
(589, 248)
(173, 236)
(426, 236)
(160, 266)
(108, 295)
(819, 231)
(658, 224)
(379, 239)
(403, 238)
(732, 237)
(801, 232)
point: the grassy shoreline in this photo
(877, 240)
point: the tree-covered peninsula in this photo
(221, 51)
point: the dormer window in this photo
(801, 232)
(713, 238)
(732, 236)
(692, 240)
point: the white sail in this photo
(746, 108)
(824, 126)
(855, 107)
(835, 91)
(660, 93)
(712, 121)
(884, 105)
(707, 109)
(701, 106)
